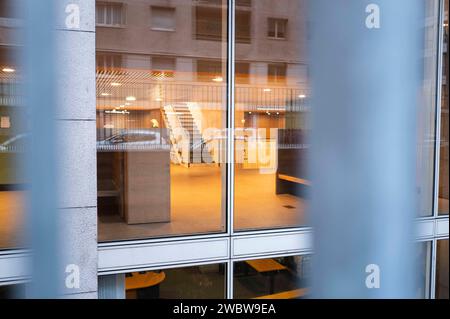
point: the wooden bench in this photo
(291, 294)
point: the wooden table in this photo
(290, 294)
(267, 266)
(144, 280)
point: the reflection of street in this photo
(11, 216)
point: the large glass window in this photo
(161, 115)
(199, 282)
(443, 161)
(423, 259)
(13, 133)
(272, 107)
(426, 123)
(272, 278)
(442, 270)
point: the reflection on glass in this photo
(442, 270)
(161, 114)
(13, 133)
(443, 160)
(200, 282)
(423, 259)
(272, 107)
(272, 278)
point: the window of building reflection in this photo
(13, 133)
(444, 154)
(272, 107)
(272, 278)
(161, 114)
(442, 270)
(199, 282)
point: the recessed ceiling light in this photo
(302, 96)
(130, 98)
(8, 70)
(116, 84)
(267, 90)
(105, 94)
(218, 79)
(159, 99)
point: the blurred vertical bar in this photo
(40, 88)
(366, 87)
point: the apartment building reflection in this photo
(162, 116)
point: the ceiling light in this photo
(159, 99)
(130, 98)
(116, 84)
(105, 94)
(302, 96)
(8, 70)
(218, 79)
(267, 90)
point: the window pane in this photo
(13, 129)
(443, 162)
(163, 18)
(160, 121)
(12, 292)
(199, 282)
(272, 278)
(427, 111)
(271, 120)
(424, 263)
(442, 270)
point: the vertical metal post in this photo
(366, 76)
(40, 86)
(230, 115)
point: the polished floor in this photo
(11, 218)
(198, 206)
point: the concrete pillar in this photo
(76, 138)
(366, 71)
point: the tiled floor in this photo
(197, 206)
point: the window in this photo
(272, 278)
(163, 67)
(199, 282)
(243, 26)
(443, 204)
(208, 70)
(12, 291)
(442, 270)
(109, 14)
(108, 62)
(160, 144)
(423, 259)
(209, 23)
(276, 73)
(277, 28)
(163, 18)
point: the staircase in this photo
(178, 116)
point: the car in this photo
(141, 139)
